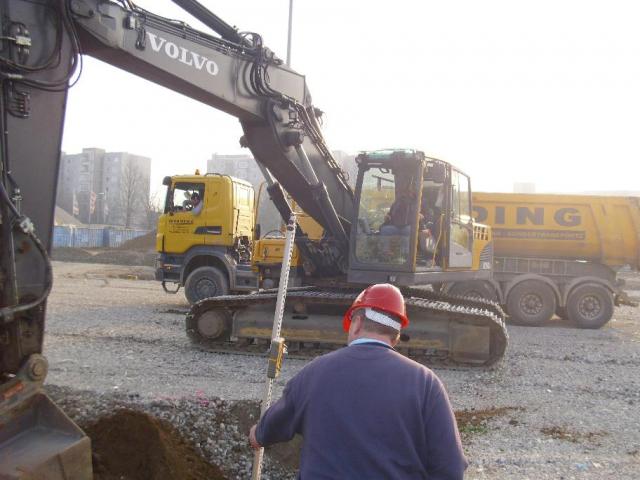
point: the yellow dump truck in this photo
(207, 240)
(558, 254)
(205, 236)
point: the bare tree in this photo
(153, 211)
(132, 190)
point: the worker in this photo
(366, 411)
(398, 220)
(196, 203)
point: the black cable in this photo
(25, 226)
(259, 80)
(21, 222)
(266, 235)
(64, 23)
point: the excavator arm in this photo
(42, 47)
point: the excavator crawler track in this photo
(448, 329)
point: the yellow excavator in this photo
(41, 47)
(417, 233)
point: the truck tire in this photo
(590, 306)
(531, 303)
(205, 282)
(475, 289)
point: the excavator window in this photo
(431, 221)
(460, 228)
(387, 214)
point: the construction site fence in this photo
(93, 237)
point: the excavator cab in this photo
(412, 220)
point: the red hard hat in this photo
(383, 297)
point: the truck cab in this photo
(205, 235)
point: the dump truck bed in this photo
(593, 228)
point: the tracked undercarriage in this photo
(465, 331)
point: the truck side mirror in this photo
(256, 231)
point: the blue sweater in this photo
(367, 412)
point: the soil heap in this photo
(146, 242)
(131, 445)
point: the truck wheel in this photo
(531, 303)
(214, 325)
(205, 282)
(590, 306)
(474, 289)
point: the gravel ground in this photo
(564, 403)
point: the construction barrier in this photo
(88, 237)
(68, 236)
(62, 236)
(114, 237)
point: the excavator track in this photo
(471, 302)
(443, 329)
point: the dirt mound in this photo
(65, 254)
(112, 256)
(125, 257)
(131, 445)
(143, 242)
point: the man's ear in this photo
(358, 322)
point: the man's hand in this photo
(253, 441)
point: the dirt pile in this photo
(131, 445)
(144, 243)
(113, 256)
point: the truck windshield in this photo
(181, 196)
(385, 216)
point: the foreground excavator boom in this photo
(41, 47)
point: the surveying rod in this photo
(278, 348)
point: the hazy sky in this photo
(541, 91)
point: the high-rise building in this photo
(105, 187)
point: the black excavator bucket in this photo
(37, 440)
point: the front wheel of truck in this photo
(205, 282)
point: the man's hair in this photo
(375, 327)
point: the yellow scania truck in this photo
(205, 236)
(558, 254)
